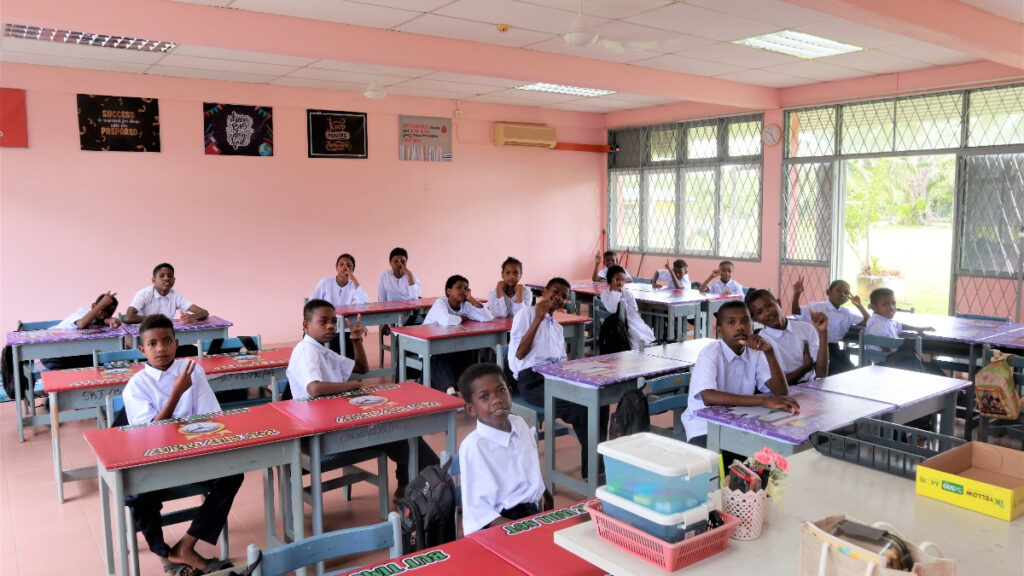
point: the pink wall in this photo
(251, 236)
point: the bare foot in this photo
(184, 552)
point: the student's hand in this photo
(358, 332)
(499, 290)
(726, 292)
(519, 292)
(189, 318)
(924, 329)
(781, 403)
(471, 300)
(542, 306)
(106, 300)
(113, 322)
(808, 360)
(597, 260)
(856, 300)
(668, 266)
(756, 342)
(715, 273)
(798, 286)
(820, 321)
(183, 381)
(352, 278)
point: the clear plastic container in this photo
(659, 473)
(668, 527)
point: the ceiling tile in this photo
(433, 25)
(424, 93)
(368, 68)
(930, 53)
(311, 83)
(614, 9)
(271, 70)
(241, 55)
(874, 61)
(223, 75)
(82, 51)
(471, 79)
(596, 51)
(524, 97)
(464, 90)
(852, 33)
(627, 36)
(675, 63)
(638, 99)
(735, 55)
(774, 12)
(342, 11)
(515, 14)
(414, 5)
(764, 78)
(67, 62)
(587, 106)
(701, 22)
(815, 70)
(1009, 9)
(344, 76)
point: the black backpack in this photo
(428, 510)
(631, 415)
(614, 334)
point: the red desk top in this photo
(469, 327)
(377, 403)
(393, 306)
(529, 544)
(129, 446)
(81, 378)
(463, 556)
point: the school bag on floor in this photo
(427, 512)
(995, 391)
(631, 415)
(614, 334)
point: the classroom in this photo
(661, 130)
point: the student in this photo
(342, 289)
(609, 261)
(800, 347)
(398, 283)
(881, 323)
(730, 371)
(724, 284)
(316, 370)
(500, 462)
(102, 313)
(640, 334)
(457, 305)
(160, 298)
(536, 339)
(840, 319)
(509, 296)
(673, 277)
(168, 388)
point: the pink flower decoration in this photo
(764, 456)
(782, 463)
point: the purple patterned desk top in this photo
(900, 388)
(1011, 340)
(45, 336)
(683, 351)
(611, 368)
(669, 297)
(819, 410)
(951, 328)
(179, 326)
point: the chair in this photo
(639, 280)
(118, 356)
(1013, 428)
(600, 313)
(450, 462)
(872, 356)
(230, 345)
(30, 374)
(695, 285)
(534, 416)
(669, 393)
(316, 549)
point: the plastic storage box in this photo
(668, 527)
(662, 474)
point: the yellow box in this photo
(977, 476)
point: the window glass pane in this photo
(664, 143)
(867, 127)
(624, 210)
(745, 138)
(702, 141)
(807, 213)
(812, 132)
(740, 220)
(929, 122)
(996, 116)
(699, 207)
(630, 153)
(993, 214)
(660, 224)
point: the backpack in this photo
(7, 374)
(631, 415)
(614, 334)
(427, 513)
(995, 391)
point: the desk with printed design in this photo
(382, 314)
(190, 332)
(687, 351)
(456, 558)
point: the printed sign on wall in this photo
(13, 118)
(336, 134)
(424, 139)
(236, 130)
(118, 123)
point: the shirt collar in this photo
(157, 294)
(779, 331)
(320, 348)
(494, 435)
(157, 374)
(728, 354)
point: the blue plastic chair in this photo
(871, 356)
(108, 358)
(666, 393)
(450, 462)
(534, 416)
(32, 375)
(229, 345)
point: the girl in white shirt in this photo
(640, 334)
(341, 290)
(457, 305)
(509, 296)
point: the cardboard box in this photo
(977, 476)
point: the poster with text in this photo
(424, 139)
(118, 123)
(237, 130)
(335, 134)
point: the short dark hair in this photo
(756, 293)
(350, 257)
(398, 252)
(731, 304)
(679, 263)
(609, 253)
(314, 304)
(513, 261)
(726, 263)
(612, 271)
(558, 280)
(474, 373)
(836, 282)
(162, 265)
(453, 279)
(153, 322)
(113, 301)
(879, 293)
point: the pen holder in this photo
(749, 508)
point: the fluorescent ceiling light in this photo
(85, 38)
(561, 89)
(798, 44)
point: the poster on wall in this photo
(118, 123)
(238, 130)
(334, 134)
(424, 139)
(13, 118)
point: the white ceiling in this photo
(689, 36)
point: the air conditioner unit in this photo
(537, 135)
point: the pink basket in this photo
(664, 555)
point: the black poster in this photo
(336, 134)
(118, 123)
(234, 130)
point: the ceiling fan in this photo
(580, 34)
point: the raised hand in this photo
(856, 300)
(798, 286)
(106, 300)
(543, 306)
(183, 381)
(499, 290)
(356, 332)
(756, 342)
(808, 360)
(820, 321)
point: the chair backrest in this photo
(639, 280)
(909, 310)
(695, 285)
(668, 384)
(41, 325)
(874, 356)
(234, 344)
(104, 358)
(287, 558)
(983, 317)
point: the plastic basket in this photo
(664, 555)
(883, 445)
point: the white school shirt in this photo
(716, 286)
(328, 289)
(499, 470)
(719, 368)
(149, 390)
(665, 279)
(69, 323)
(548, 343)
(505, 306)
(390, 288)
(148, 301)
(603, 274)
(639, 331)
(879, 325)
(788, 345)
(443, 315)
(311, 361)
(839, 319)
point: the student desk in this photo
(365, 418)
(580, 292)
(90, 388)
(39, 344)
(147, 457)
(1012, 340)
(710, 307)
(675, 306)
(682, 351)
(817, 487)
(594, 382)
(391, 313)
(461, 557)
(192, 332)
(528, 544)
(431, 340)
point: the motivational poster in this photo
(238, 130)
(335, 134)
(118, 123)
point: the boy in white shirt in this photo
(160, 298)
(537, 338)
(609, 260)
(398, 283)
(723, 284)
(102, 312)
(800, 347)
(509, 296)
(640, 334)
(342, 289)
(457, 305)
(730, 371)
(674, 277)
(168, 388)
(501, 477)
(840, 319)
(881, 323)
